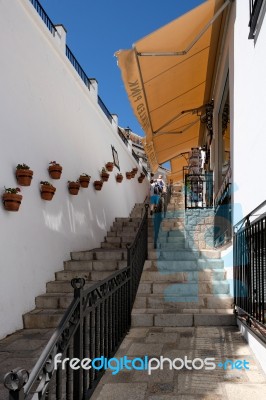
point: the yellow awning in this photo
(168, 77)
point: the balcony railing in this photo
(78, 67)
(93, 326)
(198, 191)
(255, 7)
(40, 10)
(250, 268)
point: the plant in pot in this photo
(140, 179)
(109, 166)
(104, 175)
(98, 185)
(47, 190)
(73, 187)
(129, 175)
(12, 199)
(55, 170)
(119, 177)
(24, 174)
(134, 171)
(84, 180)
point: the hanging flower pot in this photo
(104, 175)
(119, 178)
(55, 170)
(109, 166)
(73, 187)
(140, 179)
(98, 185)
(11, 199)
(47, 190)
(24, 174)
(128, 175)
(134, 171)
(84, 180)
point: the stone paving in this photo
(221, 343)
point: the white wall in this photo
(47, 114)
(249, 125)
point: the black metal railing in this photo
(255, 7)
(223, 228)
(40, 10)
(93, 326)
(122, 136)
(105, 109)
(134, 154)
(198, 191)
(250, 267)
(78, 67)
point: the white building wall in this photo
(249, 124)
(47, 114)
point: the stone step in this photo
(204, 301)
(54, 300)
(109, 254)
(63, 286)
(87, 275)
(184, 289)
(42, 318)
(164, 318)
(95, 265)
(177, 245)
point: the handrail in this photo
(240, 223)
(94, 325)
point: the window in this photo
(255, 8)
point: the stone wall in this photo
(199, 227)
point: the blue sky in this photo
(97, 29)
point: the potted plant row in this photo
(24, 174)
(12, 199)
(47, 190)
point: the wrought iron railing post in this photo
(78, 285)
(14, 381)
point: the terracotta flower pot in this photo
(140, 179)
(84, 181)
(24, 176)
(47, 192)
(73, 188)
(55, 171)
(128, 175)
(98, 185)
(104, 176)
(12, 201)
(119, 178)
(109, 166)
(134, 170)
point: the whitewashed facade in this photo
(47, 113)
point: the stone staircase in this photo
(181, 286)
(93, 265)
